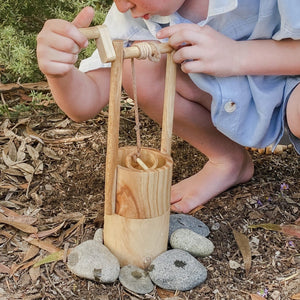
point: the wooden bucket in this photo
(138, 231)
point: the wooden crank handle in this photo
(103, 41)
(105, 46)
(93, 32)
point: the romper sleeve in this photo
(289, 11)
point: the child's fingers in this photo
(171, 30)
(84, 18)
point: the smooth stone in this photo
(177, 270)
(194, 243)
(98, 236)
(92, 260)
(178, 221)
(136, 280)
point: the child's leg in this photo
(229, 163)
(293, 112)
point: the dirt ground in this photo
(52, 177)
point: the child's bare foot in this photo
(212, 180)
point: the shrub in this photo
(21, 21)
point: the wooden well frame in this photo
(137, 201)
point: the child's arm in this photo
(208, 51)
(79, 95)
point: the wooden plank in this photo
(168, 110)
(113, 128)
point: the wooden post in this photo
(113, 128)
(169, 99)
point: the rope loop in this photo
(149, 50)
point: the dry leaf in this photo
(56, 132)
(74, 216)
(45, 245)
(56, 256)
(21, 266)
(21, 226)
(4, 269)
(71, 229)
(8, 212)
(267, 226)
(297, 222)
(34, 274)
(39, 166)
(23, 186)
(13, 216)
(6, 234)
(64, 123)
(244, 246)
(24, 167)
(296, 297)
(51, 153)
(164, 294)
(13, 172)
(32, 152)
(293, 230)
(7, 159)
(21, 155)
(12, 150)
(256, 297)
(43, 234)
(31, 252)
(288, 229)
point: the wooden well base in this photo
(136, 241)
(138, 229)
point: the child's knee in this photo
(293, 112)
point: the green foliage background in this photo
(22, 20)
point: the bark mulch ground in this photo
(52, 188)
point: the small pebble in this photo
(178, 221)
(177, 270)
(194, 243)
(136, 280)
(94, 261)
(234, 265)
(215, 226)
(275, 295)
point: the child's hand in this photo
(202, 49)
(59, 43)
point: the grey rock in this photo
(178, 221)
(192, 242)
(136, 280)
(92, 260)
(177, 270)
(98, 236)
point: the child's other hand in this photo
(59, 43)
(201, 49)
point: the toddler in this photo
(237, 82)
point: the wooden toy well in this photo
(137, 209)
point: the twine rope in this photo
(148, 50)
(136, 113)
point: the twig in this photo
(51, 282)
(3, 100)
